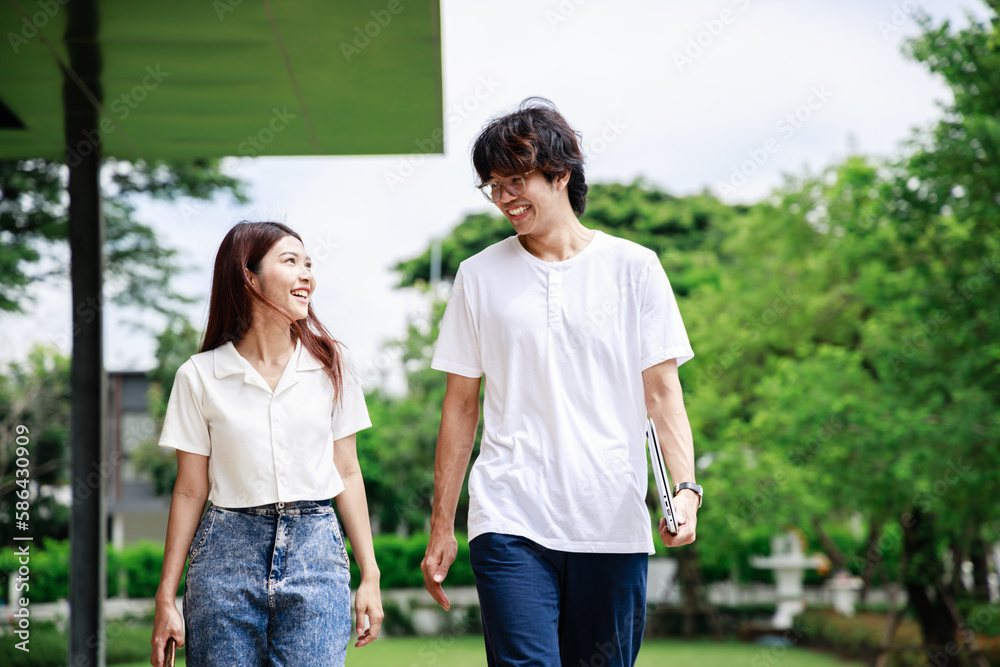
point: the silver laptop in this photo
(663, 488)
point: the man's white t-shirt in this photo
(562, 345)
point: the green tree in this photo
(138, 271)
(684, 231)
(34, 227)
(34, 395)
(916, 247)
(851, 345)
(397, 453)
(946, 352)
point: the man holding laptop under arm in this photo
(579, 337)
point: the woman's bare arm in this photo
(186, 507)
(352, 504)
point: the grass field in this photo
(468, 652)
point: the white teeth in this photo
(517, 211)
(303, 294)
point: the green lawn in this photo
(447, 651)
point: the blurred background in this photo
(821, 181)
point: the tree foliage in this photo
(34, 395)
(397, 453)
(138, 271)
(34, 227)
(683, 230)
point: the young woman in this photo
(264, 420)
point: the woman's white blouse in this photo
(262, 446)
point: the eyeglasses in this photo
(514, 185)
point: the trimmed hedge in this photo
(127, 642)
(138, 566)
(399, 562)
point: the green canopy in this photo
(196, 78)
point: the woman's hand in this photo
(368, 601)
(352, 505)
(167, 623)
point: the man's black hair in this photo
(536, 136)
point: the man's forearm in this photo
(676, 440)
(456, 438)
(665, 405)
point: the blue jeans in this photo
(550, 608)
(268, 585)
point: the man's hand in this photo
(686, 511)
(441, 552)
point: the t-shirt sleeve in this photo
(184, 426)
(457, 349)
(350, 413)
(661, 329)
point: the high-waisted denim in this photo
(268, 585)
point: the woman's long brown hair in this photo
(230, 311)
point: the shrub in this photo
(141, 563)
(669, 621)
(981, 616)
(127, 641)
(399, 562)
(48, 648)
(49, 577)
(138, 564)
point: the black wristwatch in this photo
(689, 485)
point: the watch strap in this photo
(691, 486)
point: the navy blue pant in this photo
(550, 608)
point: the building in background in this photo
(134, 510)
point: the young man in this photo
(579, 337)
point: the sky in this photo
(727, 95)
